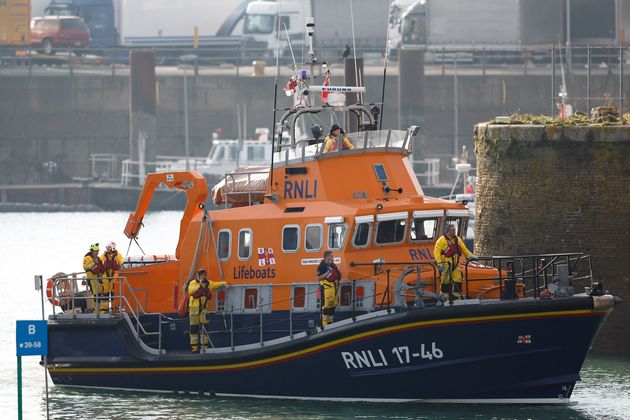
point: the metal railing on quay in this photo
(605, 58)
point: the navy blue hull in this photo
(503, 351)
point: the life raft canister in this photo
(63, 285)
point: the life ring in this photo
(63, 285)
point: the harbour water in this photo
(46, 243)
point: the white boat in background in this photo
(224, 156)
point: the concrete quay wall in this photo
(550, 189)
(64, 119)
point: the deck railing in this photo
(557, 273)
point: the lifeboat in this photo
(517, 333)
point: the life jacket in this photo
(202, 291)
(111, 263)
(98, 267)
(452, 248)
(336, 275)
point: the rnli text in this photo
(420, 254)
(300, 189)
(401, 355)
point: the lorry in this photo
(151, 23)
(494, 29)
(231, 26)
(15, 18)
(333, 25)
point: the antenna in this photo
(275, 106)
(563, 89)
(310, 30)
(387, 51)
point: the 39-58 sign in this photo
(31, 338)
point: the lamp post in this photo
(185, 59)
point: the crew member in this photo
(328, 276)
(200, 292)
(448, 250)
(330, 143)
(94, 269)
(112, 262)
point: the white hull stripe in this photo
(564, 401)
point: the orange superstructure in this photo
(364, 204)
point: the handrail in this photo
(536, 268)
(538, 273)
(97, 298)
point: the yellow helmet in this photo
(94, 247)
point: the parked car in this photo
(51, 32)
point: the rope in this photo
(290, 46)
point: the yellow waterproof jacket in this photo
(442, 246)
(200, 298)
(331, 144)
(90, 265)
(110, 261)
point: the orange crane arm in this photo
(192, 183)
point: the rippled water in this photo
(47, 243)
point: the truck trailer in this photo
(15, 19)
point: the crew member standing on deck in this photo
(112, 262)
(331, 141)
(94, 269)
(200, 292)
(448, 250)
(328, 276)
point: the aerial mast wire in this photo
(354, 49)
(275, 103)
(387, 51)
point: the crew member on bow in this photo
(200, 294)
(112, 262)
(94, 271)
(448, 250)
(328, 276)
(331, 144)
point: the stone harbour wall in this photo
(551, 189)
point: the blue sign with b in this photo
(31, 338)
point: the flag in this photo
(266, 257)
(325, 92)
(291, 87)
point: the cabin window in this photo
(245, 244)
(313, 238)
(362, 235)
(256, 153)
(285, 22)
(391, 231)
(336, 235)
(423, 229)
(219, 153)
(251, 298)
(225, 244)
(299, 297)
(290, 238)
(458, 222)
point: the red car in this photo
(50, 32)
